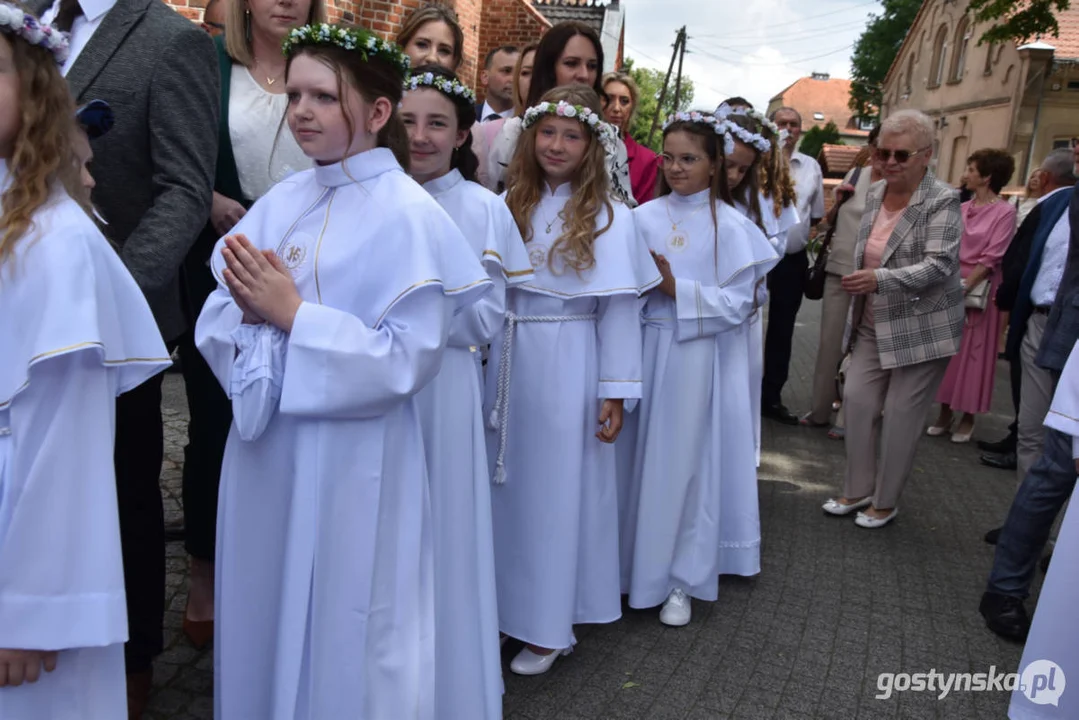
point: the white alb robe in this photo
(775, 229)
(75, 332)
(468, 661)
(1054, 629)
(576, 341)
(324, 603)
(693, 510)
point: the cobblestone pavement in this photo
(833, 607)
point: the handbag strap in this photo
(831, 231)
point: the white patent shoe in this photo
(530, 663)
(834, 507)
(872, 523)
(677, 610)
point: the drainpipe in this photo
(1032, 53)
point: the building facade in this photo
(821, 99)
(487, 24)
(1024, 98)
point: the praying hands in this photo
(260, 284)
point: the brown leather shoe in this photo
(199, 632)
(138, 693)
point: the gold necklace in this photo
(550, 225)
(269, 80)
(677, 240)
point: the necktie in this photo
(66, 15)
(492, 116)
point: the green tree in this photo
(1018, 21)
(874, 53)
(651, 82)
(817, 137)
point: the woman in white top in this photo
(255, 151)
(570, 53)
(438, 111)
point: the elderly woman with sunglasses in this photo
(906, 320)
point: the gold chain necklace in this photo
(677, 240)
(269, 80)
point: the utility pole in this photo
(678, 80)
(679, 46)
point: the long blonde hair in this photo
(238, 29)
(434, 13)
(591, 188)
(44, 154)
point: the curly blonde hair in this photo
(775, 175)
(43, 154)
(591, 188)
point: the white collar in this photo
(564, 190)
(94, 10)
(1048, 195)
(357, 168)
(695, 199)
(445, 183)
(488, 110)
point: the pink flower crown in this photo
(14, 21)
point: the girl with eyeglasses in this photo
(695, 449)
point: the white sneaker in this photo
(529, 663)
(676, 611)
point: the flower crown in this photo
(14, 21)
(446, 86)
(722, 126)
(363, 41)
(608, 136)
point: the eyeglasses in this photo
(684, 161)
(901, 156)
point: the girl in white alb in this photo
(325, 325)
(762, 190)
(75, 332)
(438, 111)
(694, 453)
(567, 362)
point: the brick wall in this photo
(486, 23)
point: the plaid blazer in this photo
(918, 311)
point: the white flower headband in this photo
(453, 88)
(608, 136)
(14, 21)
(724, 111)
(721, 126)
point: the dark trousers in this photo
(207, 431)
(1040, 497)
(785, 285)
(140, 448)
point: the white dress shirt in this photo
(488, 111)
(84, 27)
(809, 186)
(1054, 258)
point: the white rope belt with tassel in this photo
(499, 419)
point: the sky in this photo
(752, 48)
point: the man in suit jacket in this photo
(1051, 479)
(1056, 172)
(154, 173)
(497, 82)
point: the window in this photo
(910, 75)
(818, 116)
(989, 50)
(866, 123)
(936, 67)
(959, 57)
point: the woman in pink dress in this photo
(622, 101)
(988, 227)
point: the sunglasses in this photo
(901, 156)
